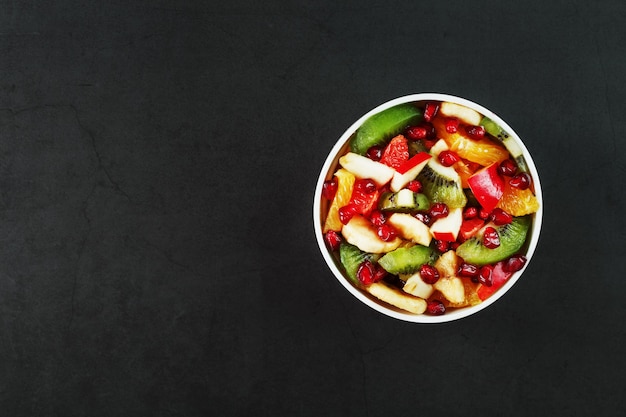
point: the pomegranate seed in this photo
(375, 153)
(491, 239)
(500, 217)
(507, 168)
(475, 132)
(485, 275)
(438, 211)
(333, 239)
(515, 263)
(377, 217)
(452, 125)
(366, 272)
(386, 232)
(484, 214)
(470, 213)
(429, 274)
(421, 131)
(346, 213)
(379, 273)
(454, 245)
(429, 143)
(435, 308)
(430, 111)
(442, 245)
(329, 189)
(521, 181)
(467, 270)
(424, 218)
(448, 158)
(414, 186)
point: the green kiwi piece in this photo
(403, 201)
(440, 188)
(351, 257)
(509, 143)
(406, 260)
(512, 238)
(383, 126)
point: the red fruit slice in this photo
(396, 153)
(487, 186)
(364, 197)
(413, 162)
(470, 227)
(498, 277)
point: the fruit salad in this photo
(429, 207)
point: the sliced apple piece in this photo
(363, 167)
(447, 228)
(409, 171)
(452, 288)
(464, 114)
(439, 147)
(410, 228)
(362, 234)
(415, 285)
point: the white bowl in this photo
(320, 207)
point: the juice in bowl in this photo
(428, 208)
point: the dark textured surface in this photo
(157, 166)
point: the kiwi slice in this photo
(442, 185)
(351, 257)
(512, 238)
(404, 201)
(381, 127)
(509, 143)
(406, 260)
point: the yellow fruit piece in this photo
(345, 182)
(518, 202)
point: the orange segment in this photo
(345, 182)
(483, 151)
(518, 202)
(465, 169)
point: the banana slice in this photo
(397, 298)
(360, 233)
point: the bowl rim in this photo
(331, 262)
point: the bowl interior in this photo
(320, 208)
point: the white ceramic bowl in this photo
(320, 207)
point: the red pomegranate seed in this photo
(375, 153)
(421, 132)
(491, 239)
(470, 213)
(448, 158)
(366, 272)
(329, 189)
(507, 168)
(333, 239)
(500, 217)
(442, 245)
(521, 181)
(430, 111)
(377, 217)
(435, 308)
(467, 270)
(379, 273)
(452, 125)
(438, 211)
(485, 275)
(414, 186)
(475, 132)
(429, 274)
(515, 263)
(424, 218)
(386, 232)
(346, 213)
(454, 245)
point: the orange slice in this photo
(518, 202)
(345, 181)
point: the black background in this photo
(157, 167)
